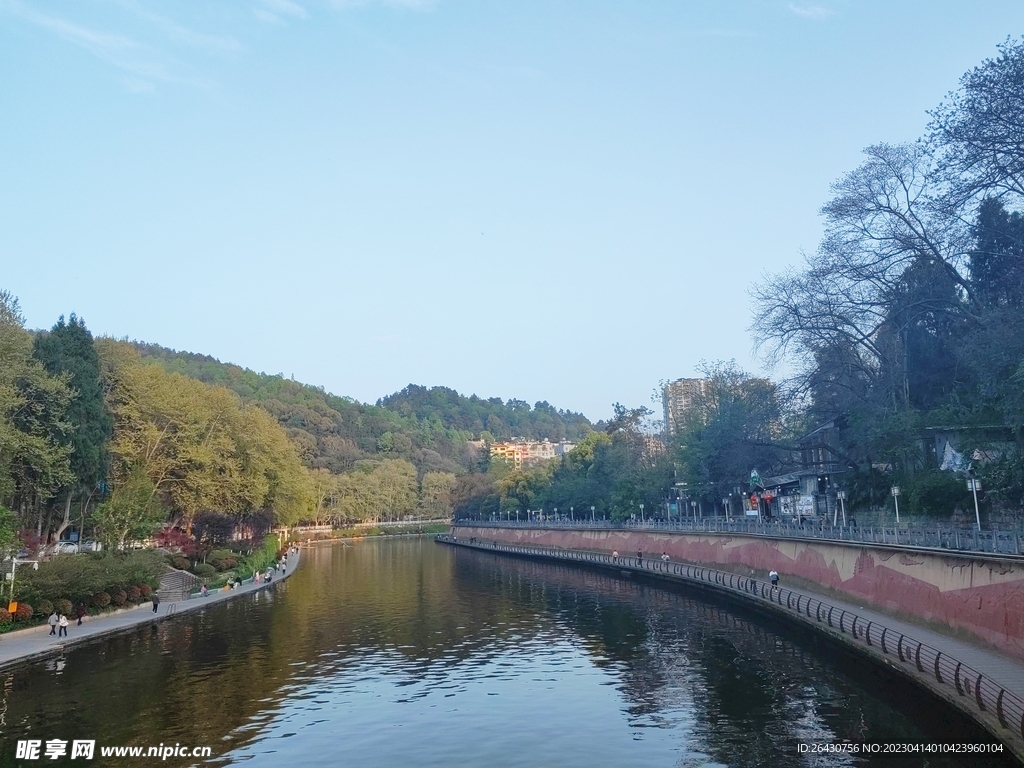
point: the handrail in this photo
(985, 694)
(993, 542)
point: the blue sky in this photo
(544, 200)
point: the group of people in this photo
(58, 621)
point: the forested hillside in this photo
(499, 419)
(430, 427)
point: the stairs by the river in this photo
(176, 585)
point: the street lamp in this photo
(593, 519)
(641, 514)
(896, 500)
(14, 567)
(725, 503)
(572, 514)
(841, 495)
(693, 506)
(974, 485)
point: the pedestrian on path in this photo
(639, 558)
(204, 591)
(156, 602)
(774, 576)
(62, 622)
(615, 555)
(52, 621)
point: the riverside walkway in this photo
(36, 643)
(985, 684)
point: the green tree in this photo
(68, 351)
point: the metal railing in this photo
(984, 694)
(946, 539)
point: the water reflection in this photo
(405, 651)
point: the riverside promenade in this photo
(983, 683)
(36, 643)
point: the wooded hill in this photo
(432, 427)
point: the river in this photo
(405, 652)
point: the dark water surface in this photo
(405, 652)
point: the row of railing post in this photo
(964, 540)
(985, 694)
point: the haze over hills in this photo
(433, 427)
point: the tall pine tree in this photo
(68, 350)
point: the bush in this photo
(181, 563)
(119, 598)
(63, 606)
(101, 599)
(5, 617)
(229, 563)
(134, 594)
(204, 569)
(82, 576)
(145, 589)
(24, 612)
(45, 607)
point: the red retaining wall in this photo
(984, 597)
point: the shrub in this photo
(145, 589)
(24, 612)
(101, 599)
(45, 607)
(5, 617)
(203, 569)
(119, 598)
(229, 563)
(181, 563)
(134, 594)
(63, 606)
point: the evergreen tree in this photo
(68, 351)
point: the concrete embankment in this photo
(986, 685)
(35, 644)
(977, 596)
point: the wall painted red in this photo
(982, 596)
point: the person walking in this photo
(615, 555)
(52, 621)
(639, 558)
(156, 602)
(774, 576)
(204, 591)
(62, 622)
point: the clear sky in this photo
(536, 199)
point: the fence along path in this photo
(946, 540)
(986, 684)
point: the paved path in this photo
(19, 647)
(1003, 713)
(1007, 670)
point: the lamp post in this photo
(974, 485)
(642, 514)
(896, 500)
(693, 506)
(725, 503)
(841, 495)
(572, 514)
(14, 567)
(593, 518)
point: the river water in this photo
(405, 652)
